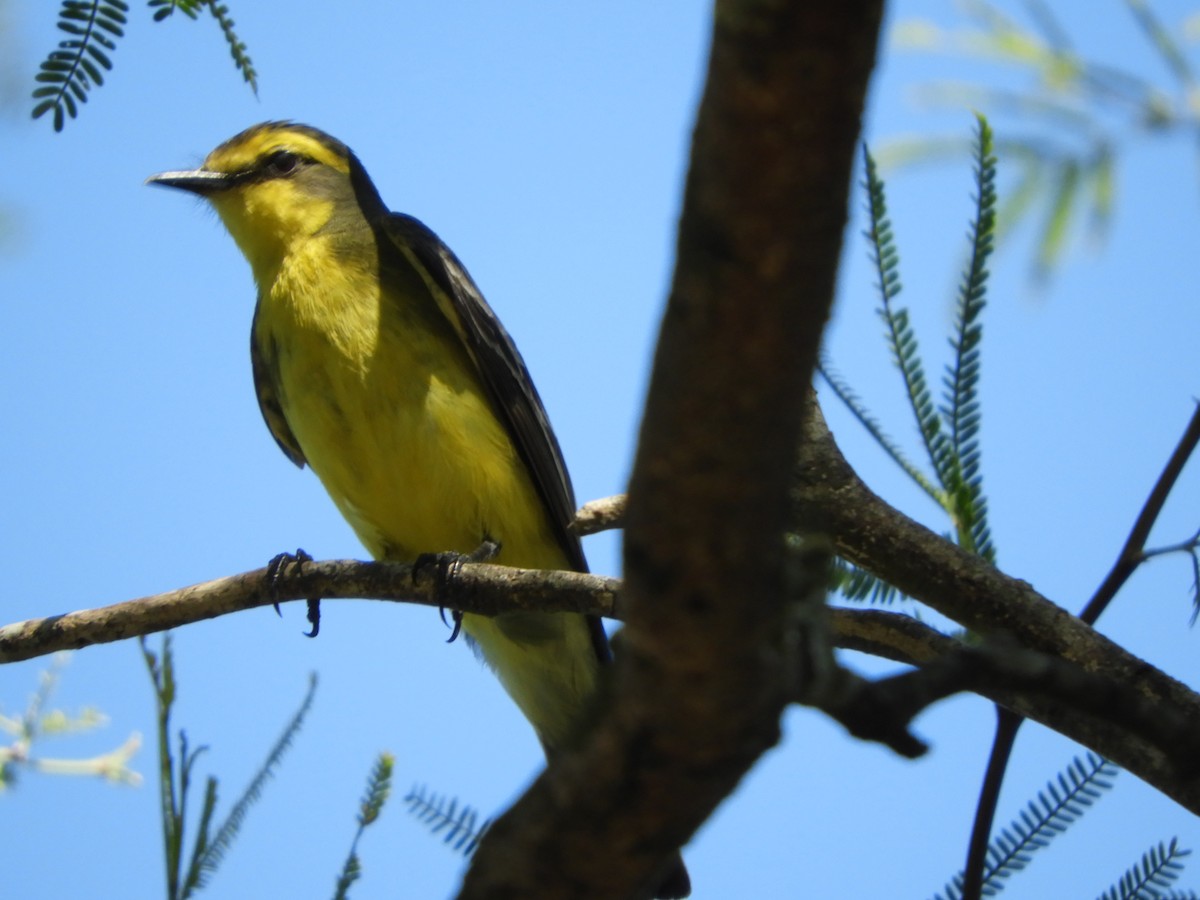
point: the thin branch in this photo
(1133, 553)
(1008, 722)
(889, 635)
(474, 587)
(1000, 665)
(1060, 695)
(830, 498)
(493, 589)
(600, 515)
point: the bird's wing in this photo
(265, 386)
(500, 367)
(505, 377)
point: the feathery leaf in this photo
(1064, 799)
(961, 409)
(859, 585)
(162, 677)
(76, 65)
(164, 8)
(858, 409)
(379, 787)
(1147, 879)
(209, 861)
(237, 49)
(463, 829)
(900, 336)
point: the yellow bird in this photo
(379, 364)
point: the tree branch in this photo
(600, 515)
(1008, 723)
(493, 590)
(711, 588)
(830, 498)
(475, 587)
(1133, 552)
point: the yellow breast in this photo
(393, 418)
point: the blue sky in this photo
(546, 143)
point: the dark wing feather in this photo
(501, 368)
(262, 362)
(503, 372)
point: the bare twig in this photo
(477, 588)
(1132, 554)
(831, 499)
(1008, 723)
(490, 590)
(600, 515)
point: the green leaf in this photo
(78, 61)
(1100, 188)
(961, 408)
(237, 49)
(210, 860)
(900, 336)
(379, 788)
(860, 586)
(98, 55)
(1156, 871)
(164, 8)
(1057, 806)
(463, 829)
(92, 71)
(1058, 220)
(858, 409)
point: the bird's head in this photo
(277, 184)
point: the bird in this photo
(378, 364)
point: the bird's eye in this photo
(281, 162)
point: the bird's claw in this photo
(314, 616)
(275, 569)
(456, 617)
(446, 566)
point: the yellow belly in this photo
(393, 419)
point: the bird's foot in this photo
(446, 566)
(275, 570)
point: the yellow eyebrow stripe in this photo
(240, 155)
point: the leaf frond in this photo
(1060, 803)
(859, 585)
(1147, 879)
(73, 69)
(237, 49)
(463, 829)
(858, 409)
(165, 8)
(1099, 177)
(214, 852)
(1162, 41)
(961, 409)
(379, 788)
(162, 676)
(193, 879)
(899, 334)
(1059, 215)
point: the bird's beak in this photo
(199, 181)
